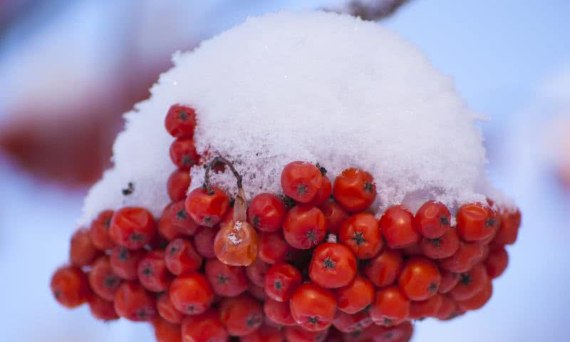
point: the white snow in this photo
(311, 86)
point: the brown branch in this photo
(373, 10)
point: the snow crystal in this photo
(312, 86)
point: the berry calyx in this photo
(362, 235)
(183, 154)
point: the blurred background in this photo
(69, 69)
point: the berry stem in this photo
(240, 203)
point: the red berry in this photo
(175, 222)
(273, 248)
(102, 309)
(390, 305)
(180, 121)
(446, 309)
(177, 185)
(476, 222)
(204, 241)
(181, 257)
(204, 327)
(227, 281)
(207, 209)
(301, 181)
(132, 227)
(420, 278)
(348, 323)
(167, 310)
(441, 247)
(183, 153)
(165, 331)
(281, 281)
(266, 212)
(470, 283)
(362, 235)
(426, 308)
(448, 281)
(82, 252)
(304, 227)
(508, 228)
(497, 262)
(313, 307)
(397, 227)
(354, 190)
(478, 300)
(323, 194)
(265, 333)
(99, 230)
(384, 269)
(278, 312)
(356, 296)
(134, 303)
(191, 294)
(124, 262)
(335, 216)
(299, 334)
(241, 315)
(466, 256)
(432, 220)
(103, 281)
(152, 272)
(333, 265)
(256, 272)
(69, 286)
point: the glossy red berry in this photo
(324, 193)
(301, 181)
(241, 315)
(420, 278)
(356, 296)
(335, 216)
(278, 312)
(391, 305)
(497, 262)
(508, 228)
(384, 269)
(362, 235)
(102, 309)
(281, 281)
(82, 252)
(441, 247)
(446, 309)
(476, 222)
(204, 327)
(479, 299)
(99, 230)
(69, 286)
(132, 227)
(467, 255)
(181, 257)
(470, 283)
(304, 227)
(167, 310)
(177, 185)
(124, 262)
(191, 294)
(152, 272)
(180, 121)
(348, 323)
(207, 208)
(103, 281)
(448, 281)
(313, 307)
(176, 222)
(425, 308)
(183, 153)
(227, 281)
(134, 303)
(266, 212)
(165, 331)
(273, 248)
(432, 220)
(354, 190)
(333, 265)
(397, 227)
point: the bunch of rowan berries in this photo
(314, 263)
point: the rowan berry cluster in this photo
(314, 263)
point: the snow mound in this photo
(314, 86)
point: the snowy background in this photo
(510, 62)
